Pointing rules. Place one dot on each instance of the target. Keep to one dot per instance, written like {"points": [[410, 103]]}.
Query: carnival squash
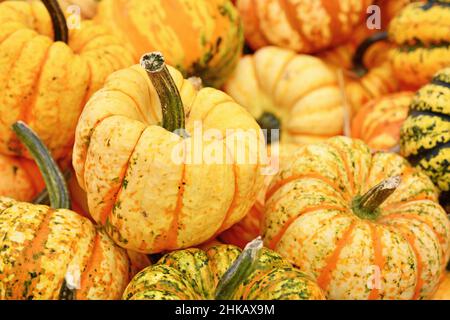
{"points": [[365, 226], [163, 188], [54, 253], [421, 32], [222, 272], [297, 92], [48, 72], [425, 135], [379, 121], [202, 38], [304, 26]]}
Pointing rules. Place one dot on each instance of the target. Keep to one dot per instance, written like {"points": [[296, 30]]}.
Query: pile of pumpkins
{"points": [[98, 98]]}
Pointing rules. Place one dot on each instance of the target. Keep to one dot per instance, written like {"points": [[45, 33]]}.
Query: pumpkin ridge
{"points": [[172, 233], [277, 238], [289, 10], [417, 111], [26, 259], [418, 218], [81, 292], [350, 177], [282, 71], [113, 194], [379, 259], [249, 286], [331, 261], [419, 281], [257, 21]]}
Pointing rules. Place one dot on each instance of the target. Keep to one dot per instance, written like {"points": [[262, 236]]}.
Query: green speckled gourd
{"points": [[425, 135], [194, 274]]}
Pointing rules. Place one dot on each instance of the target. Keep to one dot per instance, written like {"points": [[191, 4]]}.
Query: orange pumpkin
{"points": [[303, 26], [202, 38], [443, 292], [378, 123], [47, 73], [365, 226]]}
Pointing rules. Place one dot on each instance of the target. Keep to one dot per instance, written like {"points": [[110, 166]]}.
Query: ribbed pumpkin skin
{"points": [[202, 38], [46, 83], [425, 135], [305, 26], [124, 161], [309, 220], [39, 246], [250, 226], [194, 274], [379, 121], [421, 31], [19, 178], [299, 89]]}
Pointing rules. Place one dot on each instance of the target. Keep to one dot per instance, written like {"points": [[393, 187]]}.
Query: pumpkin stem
{"points": [[60, 30], [367, 206], [358, 58], [244, 265], [54, 179], [173, 118], [268, 121]]}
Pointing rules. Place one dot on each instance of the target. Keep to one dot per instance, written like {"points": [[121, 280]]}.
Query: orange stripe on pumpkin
{"points": [[379, 259]]}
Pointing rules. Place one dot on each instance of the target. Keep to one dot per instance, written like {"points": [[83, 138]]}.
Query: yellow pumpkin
{"points": [[54, 253], [378, 122], [363, 225], [202, 38], [421, 32], [299, 91], [150, 187], [47, 72], [301, 25]]}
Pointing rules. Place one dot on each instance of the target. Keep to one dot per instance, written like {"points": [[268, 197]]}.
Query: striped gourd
{"points": [[425, 135], [194, 274], [363, 225], [421, 32]]}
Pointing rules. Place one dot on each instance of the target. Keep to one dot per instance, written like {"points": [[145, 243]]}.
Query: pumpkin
{"points": [[54, 253], [88, 8], [304, 26], [425, 135], [250, 226], [389, 10], [202, 38], [222, 272], [443, 293], [379, 121], [363, 225], [421, 32], [47, 73], [20, 178], [298, 93], [150, 186]]}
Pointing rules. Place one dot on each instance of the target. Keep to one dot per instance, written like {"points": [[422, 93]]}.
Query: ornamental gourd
{"points": [[297, 93], [421, 32], [222, 272], [425, 135], [54, 253], [347, 217], [379, 121], [48, 72], [304, 26], [202, 38], [149, 185]]}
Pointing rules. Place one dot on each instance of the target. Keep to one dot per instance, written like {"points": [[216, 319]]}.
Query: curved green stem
{"points": [[54, 179], [60, 30], [358, 58], [244, 265], [173, 118], [268, 121], [367, 206]]}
